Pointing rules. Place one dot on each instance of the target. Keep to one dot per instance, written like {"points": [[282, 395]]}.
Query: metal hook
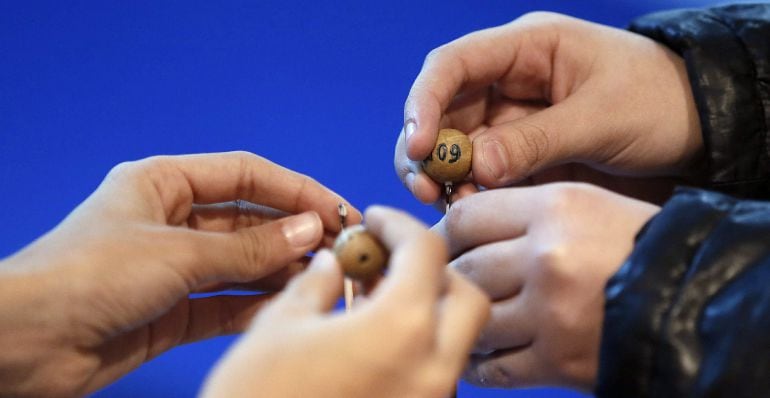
{"points": [[448, 188]]}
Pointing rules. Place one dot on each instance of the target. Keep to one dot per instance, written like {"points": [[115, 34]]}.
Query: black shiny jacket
{"points": [[688, 314]]}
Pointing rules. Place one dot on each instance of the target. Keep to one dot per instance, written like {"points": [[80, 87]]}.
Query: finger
{"points": [[473, 61], [496, 268], [222, 177], [509, 152], [189, 320], [504, 369], [249, 253], [417, 258], [464, 311], [412, 176], [316, 291], [464, 189], [490, 216], [231, 216], [221, 315], [510, 326], [274, 282]]}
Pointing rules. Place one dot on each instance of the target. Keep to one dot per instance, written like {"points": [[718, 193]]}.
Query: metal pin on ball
{"points": [[343, 212]]}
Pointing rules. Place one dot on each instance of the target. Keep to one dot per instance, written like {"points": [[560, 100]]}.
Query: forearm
{"points": [[27, 320], [688, 313], [728, 62]]}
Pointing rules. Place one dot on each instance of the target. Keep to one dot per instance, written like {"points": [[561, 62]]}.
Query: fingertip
{"points": [[375, 214], [354, 215], [420, 144], [425, 189], [420, 134], [325, 262]]}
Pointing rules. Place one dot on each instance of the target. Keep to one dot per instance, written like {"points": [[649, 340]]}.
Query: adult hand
{"points": [[543, 255], [108, 289], [410, 338], [545, 91]]}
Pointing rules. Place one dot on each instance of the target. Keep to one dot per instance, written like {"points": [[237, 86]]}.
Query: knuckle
{"points": [[553, 261], [254, 253], [564, 198], [531, 143], [243, 155], [541, 17], [245, 186], [436, 54], [153, 163], [559, 198], [122, 170]]}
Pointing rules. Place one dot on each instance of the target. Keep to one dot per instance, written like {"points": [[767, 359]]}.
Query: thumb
{"points": [[249, 253], [512, 151]]}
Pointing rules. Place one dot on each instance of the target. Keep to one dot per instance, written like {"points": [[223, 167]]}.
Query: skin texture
{"points": [[540, 107], [543, 256], [108, 288], [410, 338]]}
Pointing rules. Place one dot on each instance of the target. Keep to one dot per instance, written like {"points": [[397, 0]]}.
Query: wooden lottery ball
{"points": [[360, 253], [450, 160]]}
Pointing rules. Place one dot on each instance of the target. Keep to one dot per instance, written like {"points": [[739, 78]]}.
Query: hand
{"points": [[543, 255], [108, 288], [409, 338], [548, 91]]}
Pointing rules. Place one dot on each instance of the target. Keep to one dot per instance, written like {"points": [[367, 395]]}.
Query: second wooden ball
{"points": [[360, 253], [450, 160]]}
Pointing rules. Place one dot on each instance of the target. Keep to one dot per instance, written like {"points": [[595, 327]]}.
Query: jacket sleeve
{"points": [[688, 314], [727, 53]]}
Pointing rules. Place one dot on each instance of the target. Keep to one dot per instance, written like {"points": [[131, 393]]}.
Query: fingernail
{"points": [[409, 129], [302, 230], [494, 159]]}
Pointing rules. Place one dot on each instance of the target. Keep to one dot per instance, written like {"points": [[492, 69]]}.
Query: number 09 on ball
{"points": [[450, 160]]}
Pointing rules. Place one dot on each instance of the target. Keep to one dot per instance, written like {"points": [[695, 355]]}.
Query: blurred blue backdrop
{"points": [[315, 86]]}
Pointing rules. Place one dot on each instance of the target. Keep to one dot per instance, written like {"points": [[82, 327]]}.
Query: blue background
{"points": [[315, 86]]}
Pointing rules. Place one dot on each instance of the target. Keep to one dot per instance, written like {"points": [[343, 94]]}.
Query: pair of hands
{"points": [[548, 98], [108, 289], [545, 98]]}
